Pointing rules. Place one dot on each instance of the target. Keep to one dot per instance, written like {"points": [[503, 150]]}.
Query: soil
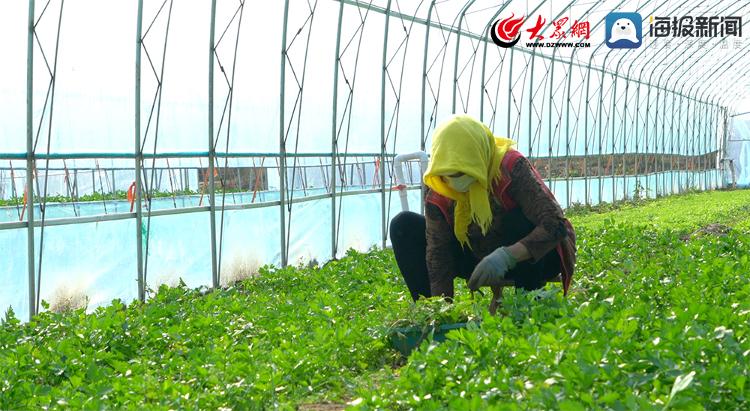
{"points": [[321, 407], [716, 229], [710, 229]]}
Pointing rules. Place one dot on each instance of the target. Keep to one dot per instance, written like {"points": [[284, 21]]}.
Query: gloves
{"points": [[492, 269]]}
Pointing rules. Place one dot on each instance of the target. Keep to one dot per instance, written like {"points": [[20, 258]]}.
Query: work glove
{"points": [[492, 269]]}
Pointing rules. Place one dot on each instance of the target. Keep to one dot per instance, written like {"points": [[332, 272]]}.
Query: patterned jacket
{"points": [[520, 186]]}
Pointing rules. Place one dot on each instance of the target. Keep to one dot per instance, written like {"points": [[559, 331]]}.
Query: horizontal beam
{"points": [[234, 207], [161, 168], [174, 211], [189, 154]]}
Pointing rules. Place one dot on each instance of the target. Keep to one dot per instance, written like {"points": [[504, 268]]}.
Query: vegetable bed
{"points": [[658, 317]]}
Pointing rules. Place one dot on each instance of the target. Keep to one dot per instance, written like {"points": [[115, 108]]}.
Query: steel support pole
{"points": [[709, 145], [677, 138], [724, 118], [722, 129], [464, 9], [531, 79], [636, 165], [623, 126], [212, 147], [656, 135], [282, 141], [690, 115], [712, 72], [710, 137], [682, 180], [646, 126], [334, 134], [614, 143], [423, 132], [671, 135], [601, 91], [586, 187], [568, 182], [707, 148], [567, 136], [549, 125], [484, 61], [549, 117], [664, 144], [615, 76], [601, 152], [690, 112], [510, 96], [721, 143], [694, 165], [531, 96], [139, 157], [704, 142], [718, 141], [383, 223], [671, 146], [701, 147], [30, 160], [679, 125], [713, 136], [601, 141]]}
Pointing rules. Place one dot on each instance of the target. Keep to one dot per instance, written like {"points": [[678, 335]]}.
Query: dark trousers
{"points": [[409, 242]]}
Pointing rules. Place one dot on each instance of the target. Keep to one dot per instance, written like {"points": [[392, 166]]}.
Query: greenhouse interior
{"points": [[224, 180]]}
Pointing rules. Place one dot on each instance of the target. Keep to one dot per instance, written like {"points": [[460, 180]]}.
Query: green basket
{"points": [[406, 339]]}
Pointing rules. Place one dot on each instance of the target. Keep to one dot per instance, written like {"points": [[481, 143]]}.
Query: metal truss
{"points": [[651, 117]]}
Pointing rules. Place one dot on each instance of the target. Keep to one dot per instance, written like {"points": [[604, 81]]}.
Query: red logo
{"points": [[506, 33]]}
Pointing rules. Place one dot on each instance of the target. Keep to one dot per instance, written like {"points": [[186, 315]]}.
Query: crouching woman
{"points": [[489, 217]]}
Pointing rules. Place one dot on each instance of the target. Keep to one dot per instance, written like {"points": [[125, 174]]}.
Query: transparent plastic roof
{"points": [[95, 64], [698, 63]]}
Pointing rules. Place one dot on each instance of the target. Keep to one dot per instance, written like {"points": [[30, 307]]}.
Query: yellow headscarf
{"points": [[463, 144]]}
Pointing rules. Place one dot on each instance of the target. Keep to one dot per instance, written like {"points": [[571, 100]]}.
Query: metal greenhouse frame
{"points": [[600, 124]]}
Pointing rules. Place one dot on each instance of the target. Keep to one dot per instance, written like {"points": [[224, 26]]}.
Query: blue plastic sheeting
{"points": [[179, 247], [13, 272], [626, 188], [99, 259], [738, 149], [252, 236]]}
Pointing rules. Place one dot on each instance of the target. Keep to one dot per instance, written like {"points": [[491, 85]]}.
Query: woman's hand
{"points": [[492, 269], [497, 299]]}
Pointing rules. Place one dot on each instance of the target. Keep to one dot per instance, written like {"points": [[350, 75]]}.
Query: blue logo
{"points": [[623, 30]]}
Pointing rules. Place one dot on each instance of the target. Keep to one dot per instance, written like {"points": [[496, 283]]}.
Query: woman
{"points": [[488, 218]]}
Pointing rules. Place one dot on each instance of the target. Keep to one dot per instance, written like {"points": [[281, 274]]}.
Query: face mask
{"points": [[460, 184]]}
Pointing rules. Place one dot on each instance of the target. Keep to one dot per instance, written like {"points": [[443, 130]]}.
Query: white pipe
{"points": [[398, 166]]}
